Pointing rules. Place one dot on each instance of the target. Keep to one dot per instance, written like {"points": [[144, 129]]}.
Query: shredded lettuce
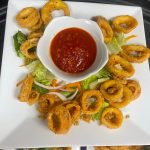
{"points": [[102, 74], [114, 46], [98, 115], [66, 94], [85, 83], [120, 39], [31, 66], [95, 84], [39, 89], [19, 38], [40, 73]]}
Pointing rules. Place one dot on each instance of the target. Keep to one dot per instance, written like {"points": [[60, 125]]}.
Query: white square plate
{"points": [[19, 123]]}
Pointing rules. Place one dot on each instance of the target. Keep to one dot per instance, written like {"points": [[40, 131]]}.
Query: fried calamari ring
{"points": [[111, 90], [67, 148], [36, 34], [135, 53], [105, 27], [135, 88], [51, 6], [125, 100], [91, 101], [59, 4], [37, 26], [61, 148], [121, 81], [26, 88], [33, 97], [74, 110], [28, 48], [86, 117], [45, 102], [46, 12], [28, 17], [112, 117], [120, 67], [124, 23], [59, 120]]}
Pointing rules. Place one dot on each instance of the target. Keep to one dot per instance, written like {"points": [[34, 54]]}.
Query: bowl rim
{"points": [[73, 77]]}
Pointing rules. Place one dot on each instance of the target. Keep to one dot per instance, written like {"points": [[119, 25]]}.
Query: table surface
{"points": [[145, 4]]}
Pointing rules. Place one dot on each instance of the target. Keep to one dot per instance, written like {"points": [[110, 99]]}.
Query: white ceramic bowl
{"points": [[60, 23]]}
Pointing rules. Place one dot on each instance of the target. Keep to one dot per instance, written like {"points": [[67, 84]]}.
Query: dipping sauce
{"points": [[73, 50]]}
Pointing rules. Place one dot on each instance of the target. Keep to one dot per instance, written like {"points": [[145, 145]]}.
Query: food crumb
{"points": [[127, 116]]}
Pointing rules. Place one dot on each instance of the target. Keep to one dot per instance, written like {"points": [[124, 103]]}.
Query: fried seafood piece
{"points": [[120, 67], [125, 100], [121, 81], [124, 23], [59, 119], [37, 26], [67, 148], [28, 48], [105, 27], [75, 111], [112, 148], [135, 88], [33, 97], [35, 34], [135, 53], [61, 148], [102, 148], [28, 17], [86, 117], [26, 87], [46, 102], [112, 117], [112, 90], [118, 147], [51, 6], [91, 101]]}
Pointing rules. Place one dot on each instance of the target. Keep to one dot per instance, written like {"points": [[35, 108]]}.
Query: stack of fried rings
{"points": [[62, 115], [29, 18], [118, 96]]}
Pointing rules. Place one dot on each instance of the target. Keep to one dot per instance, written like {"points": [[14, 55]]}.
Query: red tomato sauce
{"points": [[73, 50]]}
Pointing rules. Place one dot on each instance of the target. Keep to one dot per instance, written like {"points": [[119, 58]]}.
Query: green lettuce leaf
{"points": [[114, 46], [120, 39], [98, 115], [40, 73], [19, 38], [66, 94], [95, 84], [102, 74], [39, 89]]}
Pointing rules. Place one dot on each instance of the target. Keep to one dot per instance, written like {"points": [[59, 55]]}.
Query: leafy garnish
{"points": [[100, 75], [95, 84], [114, 46], [66, 94], [41, 90], [120, 39], [40, 73], [98, 115], [19, 38]]}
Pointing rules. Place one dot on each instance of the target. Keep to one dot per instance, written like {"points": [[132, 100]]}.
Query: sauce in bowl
{"points": [[73, 50]]}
